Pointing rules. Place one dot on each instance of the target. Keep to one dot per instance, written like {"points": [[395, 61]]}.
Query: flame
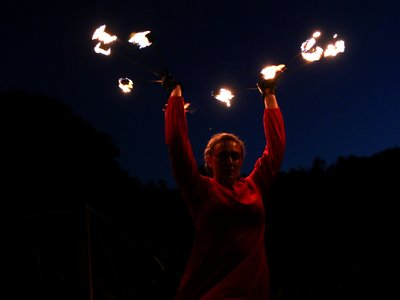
{"points": [[140, 39], [308, 44], [270, 71], [311, 52], [100, 50], [224, 96], [334, 49], [125, 84], [104, 38]]}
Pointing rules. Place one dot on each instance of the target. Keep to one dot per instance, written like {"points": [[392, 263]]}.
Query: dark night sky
{"points": [[344, 106]]}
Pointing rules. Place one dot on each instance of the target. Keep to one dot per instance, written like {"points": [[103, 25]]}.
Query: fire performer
{"points": [[228, 258]]}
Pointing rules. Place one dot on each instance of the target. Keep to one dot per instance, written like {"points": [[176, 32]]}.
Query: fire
{"points": [[270, 71], [125, 84], [334, 49], [104, 38], [224, 96], [140, 39], [311, 52], [308, 44]]}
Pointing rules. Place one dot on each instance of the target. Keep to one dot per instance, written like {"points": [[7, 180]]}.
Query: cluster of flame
{"points": [[105, 40], [225, 95], [310, 52], [103, 46]]}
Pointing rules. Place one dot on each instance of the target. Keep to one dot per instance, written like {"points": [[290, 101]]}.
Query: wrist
{"points": [[177, 91], [270, 101], [269, 91]]}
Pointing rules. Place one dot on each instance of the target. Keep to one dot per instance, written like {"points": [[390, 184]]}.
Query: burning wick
{"points": [[270, 71], [104, 38], [334, 49], [224, 96], [311, 52], [140, 39], [125, 84]]}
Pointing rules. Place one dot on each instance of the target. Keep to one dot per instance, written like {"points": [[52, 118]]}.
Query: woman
{"points": [[228, 257]]}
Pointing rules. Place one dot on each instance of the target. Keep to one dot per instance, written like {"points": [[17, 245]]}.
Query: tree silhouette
{"points": [[53, 159]]}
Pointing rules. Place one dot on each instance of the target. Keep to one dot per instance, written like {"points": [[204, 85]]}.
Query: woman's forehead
{"points": [[230, 145]]}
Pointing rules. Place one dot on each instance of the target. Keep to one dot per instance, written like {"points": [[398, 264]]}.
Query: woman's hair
{"points": [[215, 139]]}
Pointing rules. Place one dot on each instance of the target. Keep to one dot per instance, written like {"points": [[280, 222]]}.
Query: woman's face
{"points": [[226, 161]]}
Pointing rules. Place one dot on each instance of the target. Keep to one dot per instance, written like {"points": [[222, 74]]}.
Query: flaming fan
{"points": [[105, 43], [311, 51], [139, 39], [225, 95]]}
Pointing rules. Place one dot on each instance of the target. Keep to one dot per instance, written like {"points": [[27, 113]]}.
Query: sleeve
{"points": [[267, 166], [184, 166]]}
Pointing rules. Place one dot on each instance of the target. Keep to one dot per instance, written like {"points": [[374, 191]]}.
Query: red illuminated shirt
{"points": [[228, 258]]}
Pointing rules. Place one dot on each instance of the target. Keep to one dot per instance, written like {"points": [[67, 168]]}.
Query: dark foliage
{"points": [[57, 170], [331, 229]]}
